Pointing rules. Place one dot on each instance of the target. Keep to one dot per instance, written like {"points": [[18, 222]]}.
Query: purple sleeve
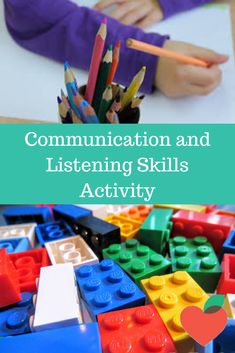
{"points": [[171, 7], [63, 31]]}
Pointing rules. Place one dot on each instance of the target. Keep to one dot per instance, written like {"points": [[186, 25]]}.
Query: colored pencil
{"points": [[64, 113], [65, 99], [133, 88], [71, 87], [157, 51], [136, 102], [67, 67], [105, 104], [102, 78], [95, 61], [115, 62], [116, 106], [90, 114], [112, 117], [116, 89]]}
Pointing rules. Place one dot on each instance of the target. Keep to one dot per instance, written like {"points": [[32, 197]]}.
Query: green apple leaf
{"points": [[217, 301]]}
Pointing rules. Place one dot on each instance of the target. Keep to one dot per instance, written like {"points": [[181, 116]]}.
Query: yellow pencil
{"points": [[133, 88]]}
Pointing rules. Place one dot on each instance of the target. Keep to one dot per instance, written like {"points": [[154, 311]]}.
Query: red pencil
{"points": [[115, 62], [95, 61]]}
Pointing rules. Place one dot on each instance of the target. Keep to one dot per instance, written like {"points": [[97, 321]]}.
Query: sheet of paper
{"points": [[37, 80]]}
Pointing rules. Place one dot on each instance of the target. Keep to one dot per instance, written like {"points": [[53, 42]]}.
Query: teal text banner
{"points": [[117, 164]]}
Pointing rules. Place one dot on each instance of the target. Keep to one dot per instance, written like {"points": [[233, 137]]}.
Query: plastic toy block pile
{"points": [[113, 279]]}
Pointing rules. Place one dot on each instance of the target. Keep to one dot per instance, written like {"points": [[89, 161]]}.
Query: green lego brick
{"points": [[155, 231], [139, 261], [197, 257]]}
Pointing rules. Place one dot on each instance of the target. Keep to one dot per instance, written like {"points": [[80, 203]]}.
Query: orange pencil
{"points": [[154, 50], [95, 61], [115, 62]]}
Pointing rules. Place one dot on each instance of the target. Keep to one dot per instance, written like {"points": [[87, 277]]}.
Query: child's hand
{"points": [[141, 13], [175, 79]]}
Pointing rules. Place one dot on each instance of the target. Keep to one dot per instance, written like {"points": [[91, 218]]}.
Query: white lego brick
{"points": [[19, 231], [99, 211], [73, 249], [57, 302], [230, 305]]}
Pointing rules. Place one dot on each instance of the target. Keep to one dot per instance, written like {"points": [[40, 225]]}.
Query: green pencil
{"points": [[105, 104], [102, 78]]}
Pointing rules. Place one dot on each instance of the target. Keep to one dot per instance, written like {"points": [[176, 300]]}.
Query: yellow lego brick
{"points": [[170, 294], [194, 208], [229, 305], [128, 227]]}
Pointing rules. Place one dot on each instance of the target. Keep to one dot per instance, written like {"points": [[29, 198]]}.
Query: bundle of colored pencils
{"points": [[100, 101]]}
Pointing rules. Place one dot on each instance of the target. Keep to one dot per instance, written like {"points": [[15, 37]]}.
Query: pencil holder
{"points": [[126, 116]]}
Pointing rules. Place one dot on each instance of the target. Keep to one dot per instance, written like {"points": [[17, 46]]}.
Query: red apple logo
{"points": [[204, 326]]}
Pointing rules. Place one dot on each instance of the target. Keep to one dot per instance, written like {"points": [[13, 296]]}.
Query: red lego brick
{"points": [[27, 265], [214, 227], [10, 291], [135, 330], [227, 280]]}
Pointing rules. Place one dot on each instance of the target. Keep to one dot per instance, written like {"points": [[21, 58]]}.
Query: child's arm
{"points": [[63, 31], [144, 13]]}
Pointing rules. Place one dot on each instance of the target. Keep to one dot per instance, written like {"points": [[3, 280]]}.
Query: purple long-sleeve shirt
{"points": [[63, 31]]}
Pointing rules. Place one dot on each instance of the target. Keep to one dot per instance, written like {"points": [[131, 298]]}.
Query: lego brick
{"points": [[19, 231], [28, 214], [57, 303], [229, 245], [15, 245], [97, 233], [197, 257], [105, 287], [214, 227], [226, 209], [73, 339], [138, 260], [128, 227], [210, 207], [99, 211], [74, 250], [138, 213], [224, 343], [28, 265], [9, 283], [229, 305], [207, 349], [15, 320], [170, 294], [53, 231], [227, 279], [136, 330], [175, 208], [70, 212], [155, 231]]}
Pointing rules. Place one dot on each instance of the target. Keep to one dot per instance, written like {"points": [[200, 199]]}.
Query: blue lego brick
{"points": [[15, 245], [226, 208], [225, 342], [207, 349], [229, 245], [70, 213], [29, 214], [73, 339], [53, 231], [14, 319], [106, 287]]}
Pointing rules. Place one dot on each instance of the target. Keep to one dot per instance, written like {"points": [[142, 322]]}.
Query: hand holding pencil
{"points": [[184, 69]]}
